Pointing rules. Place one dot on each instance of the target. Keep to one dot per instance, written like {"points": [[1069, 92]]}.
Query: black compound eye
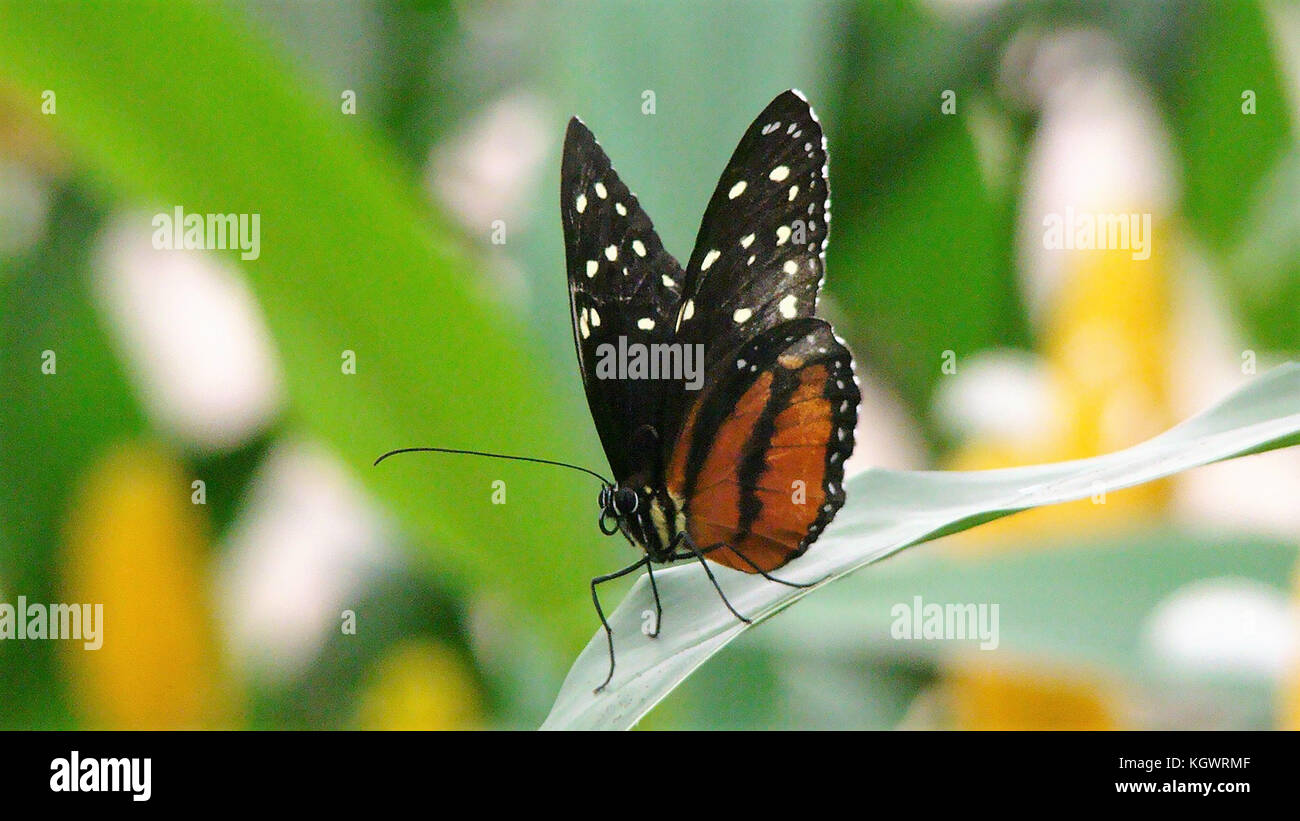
{"points": [[625, 501]]}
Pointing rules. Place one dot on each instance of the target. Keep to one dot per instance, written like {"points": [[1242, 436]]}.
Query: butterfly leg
{"points": [[750, 562], [685, 538], [609, 633], [674, 557], [765, 575], [654, 588]]}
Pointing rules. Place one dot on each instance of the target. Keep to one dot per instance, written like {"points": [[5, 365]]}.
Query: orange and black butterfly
{"points": [[744, 468]]}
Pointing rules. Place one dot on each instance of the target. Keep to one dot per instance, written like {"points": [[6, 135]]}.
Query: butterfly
{"points": [[746, 468]]}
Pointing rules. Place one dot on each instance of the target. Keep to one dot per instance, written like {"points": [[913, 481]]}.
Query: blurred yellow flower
{"points": [[135, 543], [982, 696], [1107, 338], [1289, 693], [419, 685], [1105, 350]]}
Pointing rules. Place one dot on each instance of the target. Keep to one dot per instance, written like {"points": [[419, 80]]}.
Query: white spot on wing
{"points": [[622, 212], [669, 282], [709, 258], [580, 203], [592, 267], [736, 190], [779, 173], [790, 267], [611, 253], [746, 240], [646, 323], [595, 318], [782, 234], [741, 315], [788, 306], [638, 247], [687, 311], [600, 190], [794, 192]]}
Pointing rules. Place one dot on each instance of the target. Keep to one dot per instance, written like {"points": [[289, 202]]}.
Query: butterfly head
{"points": [[617, 504], [649, 517]]}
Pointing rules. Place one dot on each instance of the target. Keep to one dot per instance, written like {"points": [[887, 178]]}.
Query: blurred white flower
{"points": [[1224, 626], [490, 168], [999, 395], [295, 559], [193, 338], [1100, 147]]}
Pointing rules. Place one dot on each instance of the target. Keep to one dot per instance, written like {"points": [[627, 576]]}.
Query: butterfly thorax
{"points": [[648, 515]]}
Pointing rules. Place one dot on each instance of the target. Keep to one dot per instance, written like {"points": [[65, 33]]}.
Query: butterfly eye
{"points": [[604, 497], [625, 501]]}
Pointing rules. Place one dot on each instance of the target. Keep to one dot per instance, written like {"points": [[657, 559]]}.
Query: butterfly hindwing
{"points": [[759, 465], [758, 257], [622, 283]]}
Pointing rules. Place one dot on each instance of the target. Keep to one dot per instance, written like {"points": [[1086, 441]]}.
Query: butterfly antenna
{"points": [[494, 456]]}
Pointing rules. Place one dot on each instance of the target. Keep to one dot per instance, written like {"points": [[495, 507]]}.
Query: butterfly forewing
{"points": [[758, 256], [622, 283]]}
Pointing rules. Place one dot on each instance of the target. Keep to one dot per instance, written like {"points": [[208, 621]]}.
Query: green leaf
{"points": [[1102, 626], [1227, 153], [888, 511]]}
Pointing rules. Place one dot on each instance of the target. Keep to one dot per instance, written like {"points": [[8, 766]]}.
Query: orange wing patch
{"points": [[788, 489], [765, 479], [714, 506]]}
